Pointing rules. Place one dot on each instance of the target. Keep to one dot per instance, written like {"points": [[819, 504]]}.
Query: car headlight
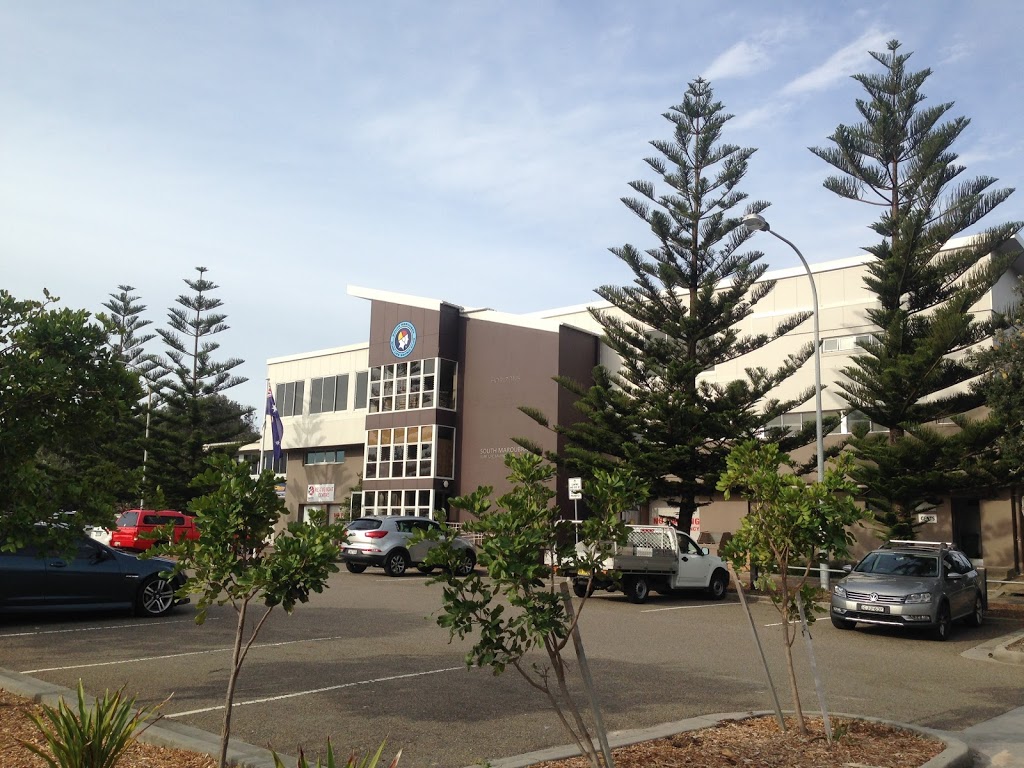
{"points": [[838, 591], [918, 597]]}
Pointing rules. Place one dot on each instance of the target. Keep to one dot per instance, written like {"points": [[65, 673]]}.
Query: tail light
{"points": [[376, 534]]}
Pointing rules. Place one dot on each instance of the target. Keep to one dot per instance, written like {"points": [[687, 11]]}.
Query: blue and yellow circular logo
{"points": [[403, 339]]}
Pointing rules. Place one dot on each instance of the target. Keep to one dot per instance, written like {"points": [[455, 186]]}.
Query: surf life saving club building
{"points": [[426, 409]]}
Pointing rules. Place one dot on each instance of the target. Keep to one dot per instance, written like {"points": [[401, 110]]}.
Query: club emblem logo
{"points": [[403, 339]]}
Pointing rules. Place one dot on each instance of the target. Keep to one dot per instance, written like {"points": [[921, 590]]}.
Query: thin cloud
{"points": [[957, 51], [741, 59], [750, 56], [840, 65], [755, 118]]}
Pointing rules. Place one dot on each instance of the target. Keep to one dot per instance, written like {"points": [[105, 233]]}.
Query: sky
{"points": [[475, 152]]}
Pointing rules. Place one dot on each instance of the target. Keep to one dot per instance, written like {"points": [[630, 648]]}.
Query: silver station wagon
{"points": [[912, 584], [385, 541]]}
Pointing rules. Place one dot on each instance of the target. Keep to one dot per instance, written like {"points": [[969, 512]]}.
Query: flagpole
{"points": [[263, 437]]}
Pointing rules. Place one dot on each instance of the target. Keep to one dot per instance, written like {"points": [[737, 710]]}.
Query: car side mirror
{"points": [[705, 551], [848, 568], [954, 576]]}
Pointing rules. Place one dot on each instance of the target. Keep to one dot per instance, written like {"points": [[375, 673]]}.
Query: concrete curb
{"points": [[163, 733], [1001, 652], [955, 755]]}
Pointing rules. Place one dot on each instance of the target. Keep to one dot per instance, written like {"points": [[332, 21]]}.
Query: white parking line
{"points": [[315, 690], [178, 655], [684, 607], [98, 629]]}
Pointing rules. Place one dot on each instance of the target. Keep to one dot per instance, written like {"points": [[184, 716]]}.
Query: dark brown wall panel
{"points": [[503, 367]]}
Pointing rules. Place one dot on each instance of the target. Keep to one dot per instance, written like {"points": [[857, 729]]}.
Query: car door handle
{"points": [[58, 564]]}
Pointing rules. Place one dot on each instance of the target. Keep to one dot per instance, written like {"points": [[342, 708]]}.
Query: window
{"points": [[445, 451], [328, 394], [446, 385], [362, 379], [410, 501], [325, 457], [855, 418], [253, 461], [289, 398], [412, 385], [846, 343], [280, 466], [401, 452], [794, 422]]}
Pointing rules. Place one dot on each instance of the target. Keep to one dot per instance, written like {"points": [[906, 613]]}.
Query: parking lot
{"points": [[365, 661]]}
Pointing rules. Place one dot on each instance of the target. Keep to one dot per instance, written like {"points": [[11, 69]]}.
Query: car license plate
{"points": [[873, 608], [351, 551]]}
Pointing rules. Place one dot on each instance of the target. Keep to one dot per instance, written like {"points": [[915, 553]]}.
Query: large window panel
{"points": [[446, 385], [412, 385], [417, 502], [362, 380], [445, 452], [288, 398]]}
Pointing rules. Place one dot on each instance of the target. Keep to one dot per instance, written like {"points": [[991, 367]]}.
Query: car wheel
{"points": [[839, 623], [977, 617], [466, 565], [943, 624], [718, 585], [156, 597], [425, 568], [583, 588], [636, 589], [396, 563], [354, 567]]}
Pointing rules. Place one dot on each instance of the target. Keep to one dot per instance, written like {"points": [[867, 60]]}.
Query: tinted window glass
{"points": [[364, 524], [128, 519], [899, 564], [963, 561]]}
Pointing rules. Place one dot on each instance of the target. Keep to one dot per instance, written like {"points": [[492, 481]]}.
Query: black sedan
{"points": [[96, 577]]}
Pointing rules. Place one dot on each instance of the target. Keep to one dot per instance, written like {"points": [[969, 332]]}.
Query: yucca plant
{"points": [[354, 761], [92, 737]]}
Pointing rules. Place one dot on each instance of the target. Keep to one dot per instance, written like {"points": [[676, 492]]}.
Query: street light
{"points": [[757, 223]]}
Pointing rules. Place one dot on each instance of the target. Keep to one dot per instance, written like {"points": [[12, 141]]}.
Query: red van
{"points": [[135, 524]]}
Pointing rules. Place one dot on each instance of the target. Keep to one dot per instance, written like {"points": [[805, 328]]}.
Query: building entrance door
{"points": [[966, 515]]}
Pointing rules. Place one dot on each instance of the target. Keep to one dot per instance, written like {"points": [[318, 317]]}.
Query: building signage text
{"points": [[499, 453], [320, 493]]}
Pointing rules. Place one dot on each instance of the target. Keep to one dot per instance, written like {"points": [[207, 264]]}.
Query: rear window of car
{"points": [[364, 524], [128, 519], [899, 564]]}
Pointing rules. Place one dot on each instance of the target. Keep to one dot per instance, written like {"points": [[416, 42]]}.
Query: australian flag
{"points": [[276, 427]]}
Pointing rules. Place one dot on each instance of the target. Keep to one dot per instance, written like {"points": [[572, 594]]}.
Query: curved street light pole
{"points": [[757, 223]]}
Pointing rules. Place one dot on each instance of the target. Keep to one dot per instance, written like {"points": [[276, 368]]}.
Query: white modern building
{"points": [[428, 406]]}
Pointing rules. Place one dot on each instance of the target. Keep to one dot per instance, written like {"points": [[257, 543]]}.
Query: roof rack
{"points": [[908, 544]]}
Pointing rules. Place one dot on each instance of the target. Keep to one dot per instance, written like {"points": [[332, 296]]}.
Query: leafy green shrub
{"points": [[354, 761], [94, 737]]}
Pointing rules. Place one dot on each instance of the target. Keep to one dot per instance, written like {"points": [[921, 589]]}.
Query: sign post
{"points": [[575, 494]]}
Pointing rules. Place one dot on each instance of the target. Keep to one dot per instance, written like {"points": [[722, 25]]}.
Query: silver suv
{"points": [[910, 584], [384, 541]]}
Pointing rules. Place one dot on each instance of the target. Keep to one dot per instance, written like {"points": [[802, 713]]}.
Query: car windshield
{"points": [[899, 564], [128, 519], [364, 524]]}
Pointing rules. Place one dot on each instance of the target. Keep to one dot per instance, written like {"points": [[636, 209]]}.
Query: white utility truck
{"points": [[659, 558]]}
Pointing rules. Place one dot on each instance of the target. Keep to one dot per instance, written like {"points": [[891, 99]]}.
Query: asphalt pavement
{"points": [[997, 741]]}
